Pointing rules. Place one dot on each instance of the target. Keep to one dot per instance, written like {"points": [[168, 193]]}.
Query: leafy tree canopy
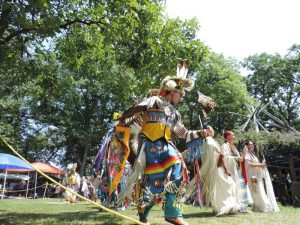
{"points": [[275, 79], [66, 66]]}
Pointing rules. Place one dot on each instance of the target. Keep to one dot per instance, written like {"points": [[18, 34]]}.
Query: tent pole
{"points": [[35, 185], [45, 189], [27, 185], [4, 183]]}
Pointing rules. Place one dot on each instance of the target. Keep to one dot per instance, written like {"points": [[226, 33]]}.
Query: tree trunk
{"points": [[5, 16], [83, 159]]}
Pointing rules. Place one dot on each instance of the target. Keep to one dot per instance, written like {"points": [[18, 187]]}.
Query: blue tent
{"points": [[11, 162]]}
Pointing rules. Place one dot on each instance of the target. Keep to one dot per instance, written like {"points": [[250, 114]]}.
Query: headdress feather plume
{"points": [[182, 68], [180, 82]]}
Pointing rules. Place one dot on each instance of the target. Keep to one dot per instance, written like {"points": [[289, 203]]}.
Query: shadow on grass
{"points": [[199, 214], [83, 217]]}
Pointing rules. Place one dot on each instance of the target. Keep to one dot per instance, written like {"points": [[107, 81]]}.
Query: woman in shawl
{"points": [[257, 173], [218, 186]]}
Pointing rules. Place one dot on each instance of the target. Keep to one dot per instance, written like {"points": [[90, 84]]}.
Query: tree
{"points": [[31, 73], [79, 106], [71, 64], [86, 73], [275, 80]]}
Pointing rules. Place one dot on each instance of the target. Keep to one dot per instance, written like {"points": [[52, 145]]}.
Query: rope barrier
{"points": [[67, 189], [7, 191]]}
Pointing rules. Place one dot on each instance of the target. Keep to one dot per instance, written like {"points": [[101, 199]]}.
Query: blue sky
{"points": [[239, 28]]}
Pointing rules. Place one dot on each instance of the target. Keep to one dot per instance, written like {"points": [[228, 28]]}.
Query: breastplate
{"points": [[157, 124]]}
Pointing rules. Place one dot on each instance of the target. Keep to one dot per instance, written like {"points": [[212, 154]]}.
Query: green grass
{"points": [[53, 211]]}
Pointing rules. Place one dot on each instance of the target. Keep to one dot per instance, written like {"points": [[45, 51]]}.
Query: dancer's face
{"points": [[176, 97], [230, 137], [250, 146]]}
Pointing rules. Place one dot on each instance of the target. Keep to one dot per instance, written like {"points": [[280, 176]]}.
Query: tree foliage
{"points": [[270, 143], [276, 79], [67, 66]]}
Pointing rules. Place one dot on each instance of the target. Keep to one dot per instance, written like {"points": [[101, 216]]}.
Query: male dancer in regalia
{"points": [[72, 180], [159, 167]]}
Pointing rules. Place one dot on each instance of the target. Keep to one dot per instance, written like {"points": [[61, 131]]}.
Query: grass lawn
{"points": [[54, 211]]}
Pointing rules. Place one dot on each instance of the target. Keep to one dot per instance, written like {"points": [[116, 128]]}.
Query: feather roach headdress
{"points": [[72, 166], [180, 82]]}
